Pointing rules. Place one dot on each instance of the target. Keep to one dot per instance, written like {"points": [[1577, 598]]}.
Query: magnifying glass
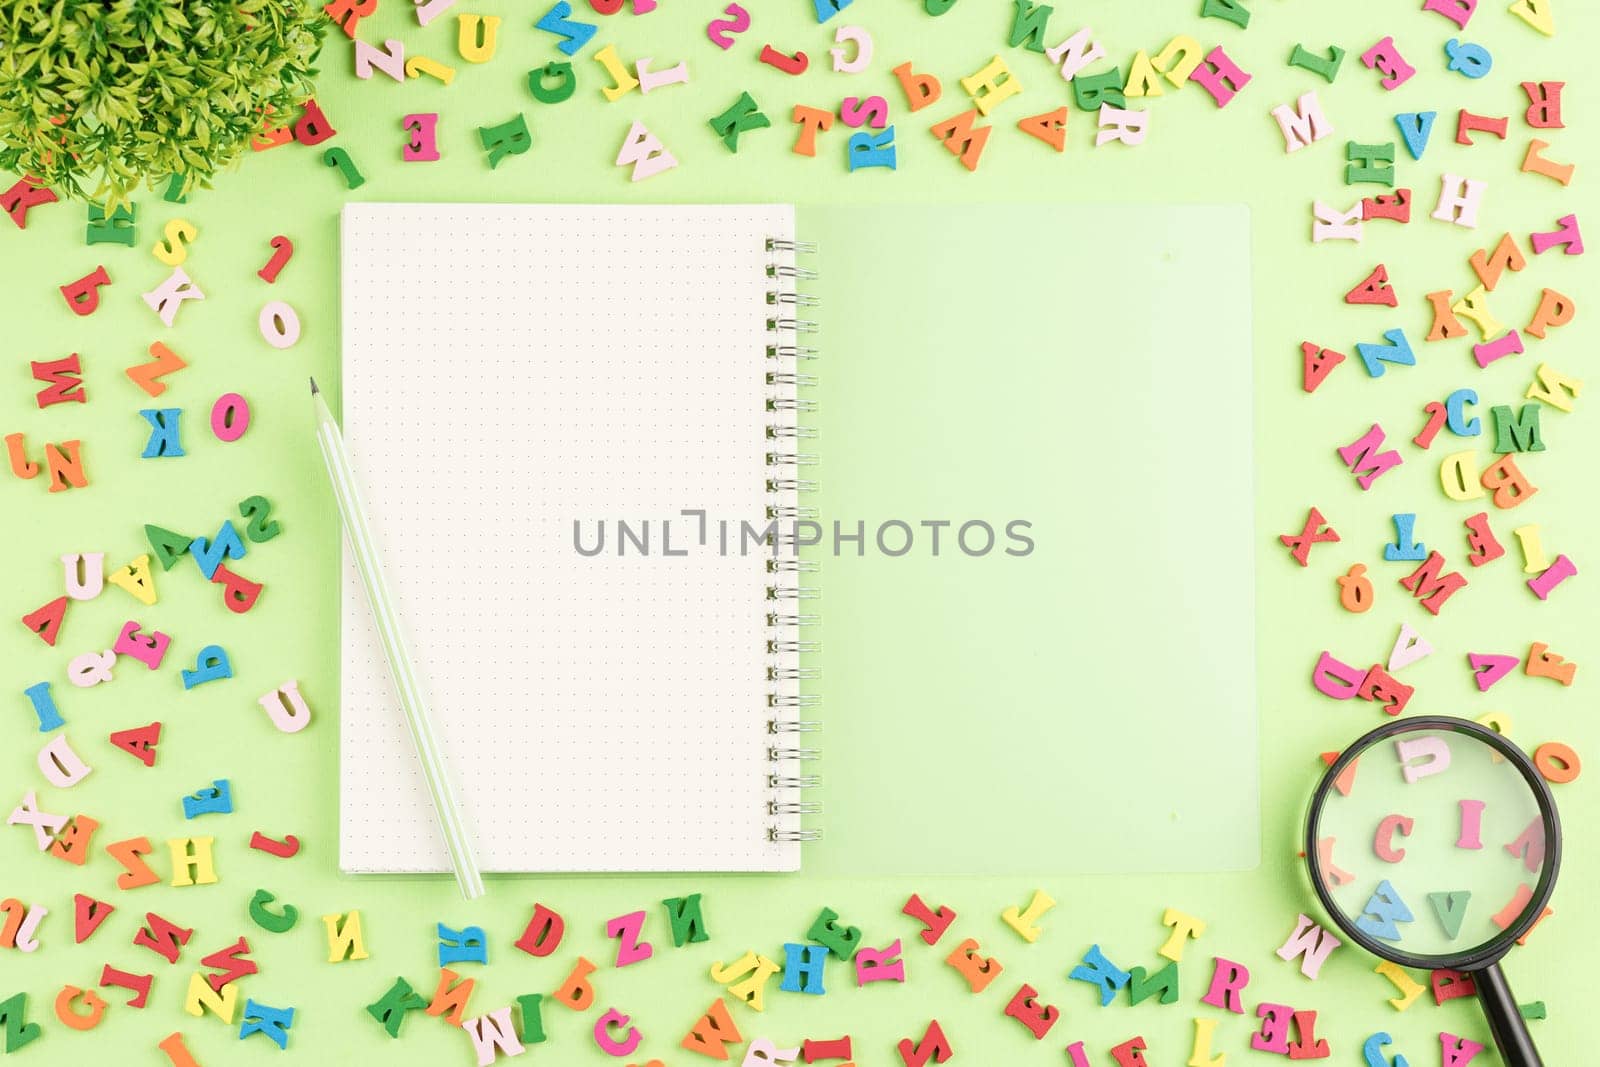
{"points": [[1433, 842]]}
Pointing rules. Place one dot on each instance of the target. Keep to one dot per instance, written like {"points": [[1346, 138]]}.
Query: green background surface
{"points": [[1194, 154]]}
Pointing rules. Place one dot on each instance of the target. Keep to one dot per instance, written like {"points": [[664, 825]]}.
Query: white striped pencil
{"points": [[419, 719]]}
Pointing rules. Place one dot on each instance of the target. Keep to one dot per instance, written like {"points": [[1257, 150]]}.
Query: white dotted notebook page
{"points": [[510, 370]]}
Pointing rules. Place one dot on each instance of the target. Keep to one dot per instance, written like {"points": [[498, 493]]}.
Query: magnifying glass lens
{"points": [[1432, 844]]}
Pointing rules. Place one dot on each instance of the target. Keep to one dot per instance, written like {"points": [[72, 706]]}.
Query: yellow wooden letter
{"points": [[344, 938], [191, 861]]}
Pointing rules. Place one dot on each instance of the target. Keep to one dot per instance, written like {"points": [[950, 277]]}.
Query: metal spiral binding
{"points": [[778, 618], [793, 674], [806, 808], [793, 300], [789, 540], [791, 378], [788, 325], [789, 592], [791, 781], [793, 648], [786, 511], [793, 726], [785, 703], [798, 836], [791, 485]]}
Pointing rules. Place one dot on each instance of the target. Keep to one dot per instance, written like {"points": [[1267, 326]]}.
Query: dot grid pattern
{"points": [[507, 371]]}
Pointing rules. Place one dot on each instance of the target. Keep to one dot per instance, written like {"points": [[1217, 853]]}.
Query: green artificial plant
{"points": [[97, 97]]}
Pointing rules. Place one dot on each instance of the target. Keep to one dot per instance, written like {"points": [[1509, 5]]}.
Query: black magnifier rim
{"points": [[1496, 947]]}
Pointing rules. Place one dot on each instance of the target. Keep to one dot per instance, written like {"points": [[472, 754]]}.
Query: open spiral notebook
{"points": [[574, 425]]}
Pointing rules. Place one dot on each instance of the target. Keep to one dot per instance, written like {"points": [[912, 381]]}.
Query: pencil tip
{"points": [[314, 389]]}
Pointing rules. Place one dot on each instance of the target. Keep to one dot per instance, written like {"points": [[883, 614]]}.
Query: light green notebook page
{"points": [[1088, 707]]}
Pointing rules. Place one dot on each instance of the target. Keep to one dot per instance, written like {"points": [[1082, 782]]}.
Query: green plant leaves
{"points": [[97, 97]]}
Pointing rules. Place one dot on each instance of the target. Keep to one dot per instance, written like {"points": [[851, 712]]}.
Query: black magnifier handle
{"points": [[1505, 1019]]}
